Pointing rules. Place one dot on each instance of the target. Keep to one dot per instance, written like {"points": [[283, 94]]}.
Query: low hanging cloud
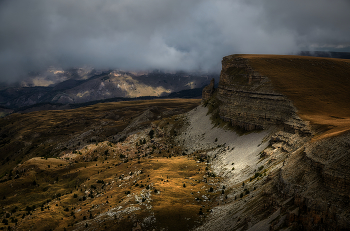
{"points": [[161, 34]]}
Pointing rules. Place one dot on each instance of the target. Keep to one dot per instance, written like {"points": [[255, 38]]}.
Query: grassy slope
{"points": [[167, 175], [50, 184], [318, 87], [47, 133]]}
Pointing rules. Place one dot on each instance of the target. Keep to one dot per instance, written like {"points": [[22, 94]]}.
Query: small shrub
{"points": [[151, 134]]}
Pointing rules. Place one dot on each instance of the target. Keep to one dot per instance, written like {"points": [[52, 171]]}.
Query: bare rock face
{"points": [[208, 91], [248, 99], [311, 187], [317, 180]]}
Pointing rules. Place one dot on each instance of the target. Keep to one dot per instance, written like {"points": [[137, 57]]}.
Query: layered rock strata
{"points": [[248, 99], [308, 186], [317, 178]]}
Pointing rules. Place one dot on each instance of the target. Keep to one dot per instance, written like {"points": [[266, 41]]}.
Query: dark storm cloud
{"points": [[165, 34]]}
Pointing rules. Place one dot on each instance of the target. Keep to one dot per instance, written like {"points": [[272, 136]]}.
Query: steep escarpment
{"points": [[303, 105], [249, 100], [257, 91]]}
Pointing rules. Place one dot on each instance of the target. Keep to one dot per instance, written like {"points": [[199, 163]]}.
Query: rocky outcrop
{"points": [[331, 157], [311, 188], [208, 91], [249, 100], [317, 178]]}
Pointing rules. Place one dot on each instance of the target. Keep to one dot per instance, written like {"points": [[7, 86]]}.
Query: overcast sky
{"points": [[162, 34]]}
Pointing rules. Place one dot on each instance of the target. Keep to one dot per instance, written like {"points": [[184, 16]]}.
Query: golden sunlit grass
{"points": [[179, 181], [96, 185], [173, 204], [318, 87]]}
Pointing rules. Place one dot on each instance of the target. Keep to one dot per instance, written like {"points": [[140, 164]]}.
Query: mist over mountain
{"points": [[326, 54], [167, 35], [174, 115], [82, 85]]}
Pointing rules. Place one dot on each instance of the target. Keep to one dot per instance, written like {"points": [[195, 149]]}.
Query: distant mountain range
{"points": [[78, 87], [326, 54]]}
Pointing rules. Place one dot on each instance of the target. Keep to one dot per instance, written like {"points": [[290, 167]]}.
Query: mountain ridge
{"points": [[307, 150], [76, 88]]}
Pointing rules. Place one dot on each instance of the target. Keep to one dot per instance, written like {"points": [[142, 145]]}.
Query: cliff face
{"points": [[310, 181], [317, 180], [250, 101]]}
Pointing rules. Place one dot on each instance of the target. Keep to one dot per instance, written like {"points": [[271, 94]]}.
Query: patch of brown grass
{"points": [[174, 206], [79, 173], [48, 133]]}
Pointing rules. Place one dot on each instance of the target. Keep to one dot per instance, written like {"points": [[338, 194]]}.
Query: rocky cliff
{"points": [[301, 102], [249, 100], [208, 90]]}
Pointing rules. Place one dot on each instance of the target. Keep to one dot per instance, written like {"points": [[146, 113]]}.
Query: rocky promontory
{"points": [[304, 104]]}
